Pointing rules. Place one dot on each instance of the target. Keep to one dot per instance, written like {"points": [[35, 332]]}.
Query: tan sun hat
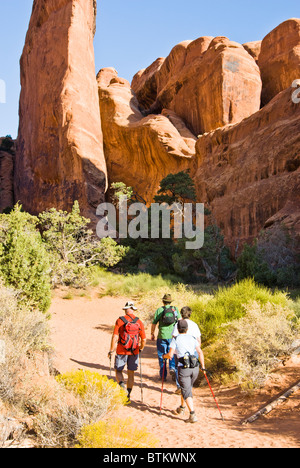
{"points": [[167, 298]]}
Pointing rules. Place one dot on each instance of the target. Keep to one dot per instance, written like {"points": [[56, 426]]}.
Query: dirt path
{"points": [[81, 334]]}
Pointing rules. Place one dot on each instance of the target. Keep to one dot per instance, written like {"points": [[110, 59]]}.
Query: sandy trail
{"points": [[81, 334]]}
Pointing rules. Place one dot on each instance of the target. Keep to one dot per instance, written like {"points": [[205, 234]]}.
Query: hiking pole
{"points": [[110, 365], [203, 370], [141, 376], [162, 385]]}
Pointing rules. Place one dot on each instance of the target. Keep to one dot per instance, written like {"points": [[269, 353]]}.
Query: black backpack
{"points": [[169, 316]]}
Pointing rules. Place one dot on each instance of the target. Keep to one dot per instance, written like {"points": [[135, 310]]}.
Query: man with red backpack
{"points": [[128, 340]]}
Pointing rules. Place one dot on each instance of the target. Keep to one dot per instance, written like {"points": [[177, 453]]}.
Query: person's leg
{"points": [[119, 377], [181, 408], [186, 377], [190, 404], [173, 365], [162, 348], [120, 362], [132, 366], [189, 401], [130, 383]]}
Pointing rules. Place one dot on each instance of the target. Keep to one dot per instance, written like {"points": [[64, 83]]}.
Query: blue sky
{"points": [[131, 34]]}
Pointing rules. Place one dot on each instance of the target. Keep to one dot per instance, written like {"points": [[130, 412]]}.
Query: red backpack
{"points": [[130, 336]]}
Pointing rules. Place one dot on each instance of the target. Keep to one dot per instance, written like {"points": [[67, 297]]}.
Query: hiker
{"points": [[188, 367], [128, 340], [166, 317], [193, 328]]}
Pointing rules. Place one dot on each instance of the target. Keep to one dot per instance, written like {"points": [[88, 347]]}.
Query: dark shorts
{"points": [[187, 378], [132, 362]]}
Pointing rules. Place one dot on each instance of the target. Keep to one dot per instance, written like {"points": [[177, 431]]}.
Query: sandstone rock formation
{"points": [[253, 48], [198, 109], [279, 59], [249, 173], [208, 82], [140, 150], [60, 146]]}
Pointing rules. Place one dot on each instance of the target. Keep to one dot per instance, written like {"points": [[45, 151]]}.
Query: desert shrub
{"points": [[133, 285], [58, 430], [74, 248], [296, 307], [120, 433], [81, 399], [58, 417], [229, 303], [24, 262], [24, 331], [99, 395], [257, 341], [182, 296]]}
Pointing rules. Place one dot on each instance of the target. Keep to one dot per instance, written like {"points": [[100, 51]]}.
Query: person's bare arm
{"points": [[201, 356], [142, 345], [170, 354], [153, 327], [113, 345]]}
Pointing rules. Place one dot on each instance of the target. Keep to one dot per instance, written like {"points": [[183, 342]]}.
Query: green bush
{"points": [[182, 295], [73, 247], [295, 305], [24, 261], [252, 346], [131, 285], [229, 303]]}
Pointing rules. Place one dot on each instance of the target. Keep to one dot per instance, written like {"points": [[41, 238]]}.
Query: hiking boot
{"points": [[192, 419], [123, 386], [179, 410]]}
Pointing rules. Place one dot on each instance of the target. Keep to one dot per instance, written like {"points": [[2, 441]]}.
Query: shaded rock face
{"points": [[279, 59], [140, 150], [249, 173], [208, 82], [7, 154], [60, 154]]}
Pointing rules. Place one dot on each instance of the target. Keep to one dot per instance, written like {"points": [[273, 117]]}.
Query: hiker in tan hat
{"points": [[166, 317]]}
